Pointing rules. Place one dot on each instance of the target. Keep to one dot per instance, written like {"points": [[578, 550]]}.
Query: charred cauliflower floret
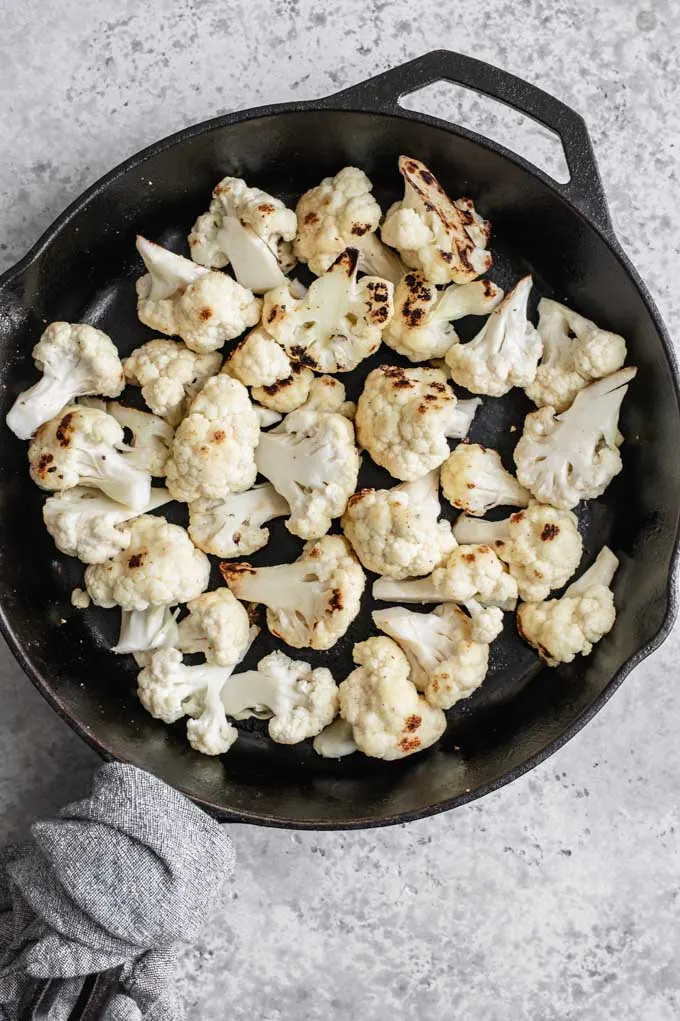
{"points": [[445, 239], [340, 213], [203, 307], [405, 417], [213, 453], [389, 719], [397, 532], [310, 603]]}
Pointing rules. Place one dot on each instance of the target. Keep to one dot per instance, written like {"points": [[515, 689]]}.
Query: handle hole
{"points": [[494, 120]]}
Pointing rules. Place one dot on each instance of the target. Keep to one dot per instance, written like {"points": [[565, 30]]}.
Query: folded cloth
{"points": [[121, 878]]}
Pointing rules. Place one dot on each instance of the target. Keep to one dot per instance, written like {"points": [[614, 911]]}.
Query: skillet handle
{"points": [[382, 94]]}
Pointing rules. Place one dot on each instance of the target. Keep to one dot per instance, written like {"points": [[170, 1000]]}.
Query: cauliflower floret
{"points": [[143, 631], [217, 626], [258, 360], [335, 741], [422, 325], [169, 690], [160, 567], [562, 459], [541, 546], [444, 239], [312, 461], [397, 532], [249, 229], [404, 417], [170, 375], [213, 453], [75, 360], [561, 629], [78, 447], [310, 603], [203, 307], [338, 213], [472, 573], [328, 394], [504, 353], [150, 436], [389, 719], [338, 322], [286, 395], [447, 663], [166, 684], [575, 352], [232, 526], [299, 701], [474, 480], [487, 621], [80, 599], [86, 524]]}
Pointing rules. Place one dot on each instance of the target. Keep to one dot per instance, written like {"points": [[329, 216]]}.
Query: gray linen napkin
{"points": [[121, 878]]}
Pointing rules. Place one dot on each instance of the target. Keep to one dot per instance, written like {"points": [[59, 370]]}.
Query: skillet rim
{"points": [[350, 101]]}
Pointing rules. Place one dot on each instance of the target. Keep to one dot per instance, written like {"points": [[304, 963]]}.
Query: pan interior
{"points": [[87, 273]]}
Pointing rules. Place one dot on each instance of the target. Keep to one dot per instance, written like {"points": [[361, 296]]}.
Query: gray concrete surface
{"points": [[556, 899]]}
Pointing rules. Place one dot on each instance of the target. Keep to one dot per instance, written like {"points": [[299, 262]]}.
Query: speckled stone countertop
{"points": [[557, 898]]}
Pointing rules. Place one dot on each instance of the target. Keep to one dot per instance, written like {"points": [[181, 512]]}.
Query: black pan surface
{"points": [[84, 270]]}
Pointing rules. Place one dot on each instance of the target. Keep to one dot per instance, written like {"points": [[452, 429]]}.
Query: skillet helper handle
{"points": [[92, 1002], [382, 94]]}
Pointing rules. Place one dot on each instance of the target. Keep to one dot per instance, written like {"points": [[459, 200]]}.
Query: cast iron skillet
{"points": [[84, 268]]}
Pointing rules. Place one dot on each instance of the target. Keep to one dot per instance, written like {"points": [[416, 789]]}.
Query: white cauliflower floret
{"points": [[258, 360], [143, 631], [504, 353], [329, 394], [447, 663], [389, 719], [310, 603], [299, 701], [80, 599], [397, 532], [203, 307], [335, 741], [79, 447], [159, 568], [286, 395], [86, 524], [150, 436], [471, 573], [561, 629], [169, 690], [340, 213], [444, 239], [312, 461], [562, 459], [404, 417], [249, 229], [217, 626], [487, 621], [337, 323], [170, 375], [232, 525], [422, 324], [575, 352], [541, 546], [474, 480], [213, 453], [75, 360]]}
